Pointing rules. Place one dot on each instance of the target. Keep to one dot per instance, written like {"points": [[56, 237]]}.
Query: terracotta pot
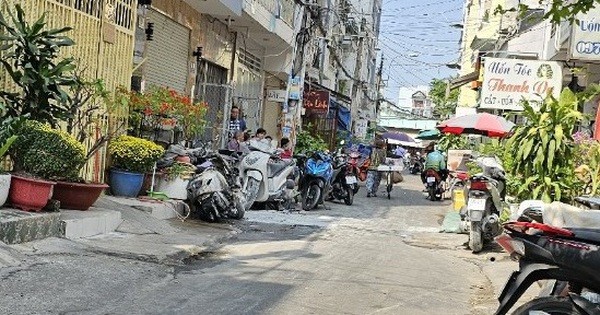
{"points": [[30, 194], [183, 159], [77, 196]]}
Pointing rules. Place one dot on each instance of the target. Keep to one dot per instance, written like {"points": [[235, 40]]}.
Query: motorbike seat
{"points": [[591, 202], [586, 234], [564, 215], [277, 167]]}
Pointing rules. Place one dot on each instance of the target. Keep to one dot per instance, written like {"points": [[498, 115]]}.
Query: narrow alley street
{"points": [[378, 256]]}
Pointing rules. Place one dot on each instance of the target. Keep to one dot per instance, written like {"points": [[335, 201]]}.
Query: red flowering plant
{"points": [[162, 108]]}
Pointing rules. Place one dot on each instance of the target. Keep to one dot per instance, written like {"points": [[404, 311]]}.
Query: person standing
{"points": [[235, 122], [373, 176]]}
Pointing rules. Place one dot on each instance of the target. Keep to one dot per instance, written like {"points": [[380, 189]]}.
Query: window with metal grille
{"points": [[249, 60]]}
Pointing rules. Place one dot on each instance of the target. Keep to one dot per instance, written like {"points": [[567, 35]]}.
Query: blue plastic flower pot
{"points": [[125, 184]]}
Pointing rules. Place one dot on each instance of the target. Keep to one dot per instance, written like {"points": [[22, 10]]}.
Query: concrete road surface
{"points": [[377, 256]]}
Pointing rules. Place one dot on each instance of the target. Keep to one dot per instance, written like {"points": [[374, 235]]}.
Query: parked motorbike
{"points": [[571, 256], [214, 193], [485, 200], [417, 166], [360, 166], [344, 181], [265, 176], [316, 180], [435, 187]]}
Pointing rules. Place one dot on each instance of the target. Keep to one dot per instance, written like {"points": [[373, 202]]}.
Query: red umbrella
{"points": [[479, 124]]}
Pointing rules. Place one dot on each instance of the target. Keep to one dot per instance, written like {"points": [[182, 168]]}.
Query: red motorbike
{"points": [[358, 166]]}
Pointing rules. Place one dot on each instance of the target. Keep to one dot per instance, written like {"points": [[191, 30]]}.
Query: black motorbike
{"points": [[417, 166], [569, 256], [344, 181]]}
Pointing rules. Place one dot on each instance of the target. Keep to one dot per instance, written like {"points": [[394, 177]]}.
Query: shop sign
{"points": [[361, 128], [276, 96], [506, 82], [585, 42], [295, 84], [316, 101]]}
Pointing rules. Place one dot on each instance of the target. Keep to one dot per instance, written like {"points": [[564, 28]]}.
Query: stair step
{"points": [[95, 221], [18, 226]]}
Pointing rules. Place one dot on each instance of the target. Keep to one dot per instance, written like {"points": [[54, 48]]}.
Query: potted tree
{"points": [[173, 180], [89, 100], [42, 154], [131, 157]]}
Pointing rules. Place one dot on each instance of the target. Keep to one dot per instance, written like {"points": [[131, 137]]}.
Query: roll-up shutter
{"points": [[168, 53]]}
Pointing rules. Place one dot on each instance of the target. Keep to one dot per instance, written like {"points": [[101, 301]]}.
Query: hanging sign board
{"points": [[276, 96], [506, 82], [585, 40], [316, 101]]}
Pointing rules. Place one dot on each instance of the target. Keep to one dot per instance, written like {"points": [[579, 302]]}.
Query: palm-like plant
{"points": [[30, 57], [543, 148]]}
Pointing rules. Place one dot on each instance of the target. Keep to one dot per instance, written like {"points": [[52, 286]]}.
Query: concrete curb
{"points": [[149, 251]]}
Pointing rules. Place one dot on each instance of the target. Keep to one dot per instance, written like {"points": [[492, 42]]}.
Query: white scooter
{"points": [[265, 176], [486, 192]]}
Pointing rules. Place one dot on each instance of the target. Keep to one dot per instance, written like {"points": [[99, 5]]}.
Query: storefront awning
{"points": [[462, 80]]}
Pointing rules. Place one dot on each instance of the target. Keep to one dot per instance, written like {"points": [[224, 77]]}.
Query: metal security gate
{"points": [[167, 54], [249, 89], [323, 125], [212, 88]]}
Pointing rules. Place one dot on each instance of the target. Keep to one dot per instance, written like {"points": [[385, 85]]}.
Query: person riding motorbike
{"points": [[435, 161]]}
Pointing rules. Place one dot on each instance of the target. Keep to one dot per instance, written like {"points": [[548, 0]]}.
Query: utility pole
{"points": [[378, 86], [357, 79]]}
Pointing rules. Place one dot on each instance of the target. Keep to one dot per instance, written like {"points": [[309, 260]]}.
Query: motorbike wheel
{"points": [[355, 188], [431, 191], [240, 209], [475, 241], [311, 197], [204, 212], [349, 196], [251, 192], [548, 305]]}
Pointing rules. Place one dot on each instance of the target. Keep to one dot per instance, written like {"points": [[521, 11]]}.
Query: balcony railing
{"points": [[284, 9]]}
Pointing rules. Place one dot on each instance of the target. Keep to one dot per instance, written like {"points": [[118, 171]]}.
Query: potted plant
{"points": [[42, 154], [89, 99], [163, 109], [131, 158], [173, 180]]}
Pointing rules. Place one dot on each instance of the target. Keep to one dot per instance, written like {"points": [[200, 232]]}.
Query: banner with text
{"points": [[316, 101], [506, 82], [585, 42]]}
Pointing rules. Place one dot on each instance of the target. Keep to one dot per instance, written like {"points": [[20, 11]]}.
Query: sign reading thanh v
{"points": [[506, 82]]}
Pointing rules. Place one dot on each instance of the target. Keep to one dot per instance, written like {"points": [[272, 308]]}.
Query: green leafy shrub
{"points": [[178, 170], [48, 153], [544, 151], [307, 143], [453, 142], [134, 154]]}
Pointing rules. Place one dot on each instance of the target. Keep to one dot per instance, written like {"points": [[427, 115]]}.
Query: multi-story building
{"points": [[482, 31], [225, 52], [561, 55]]}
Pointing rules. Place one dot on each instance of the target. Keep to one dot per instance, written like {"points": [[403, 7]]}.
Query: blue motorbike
{"points": [[315, 181]]}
